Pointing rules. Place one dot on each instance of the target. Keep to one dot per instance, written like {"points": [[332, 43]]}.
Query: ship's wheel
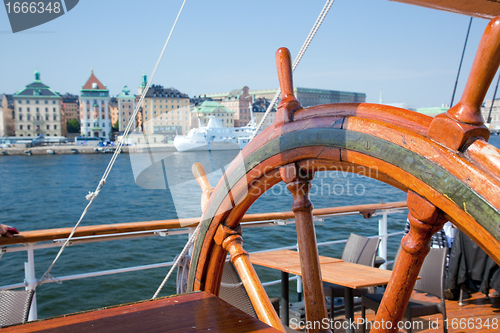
{"points": [[445, 165]]}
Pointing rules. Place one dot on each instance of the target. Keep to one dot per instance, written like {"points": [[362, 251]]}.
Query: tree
{"points": [[116, 126], [73, 126]]}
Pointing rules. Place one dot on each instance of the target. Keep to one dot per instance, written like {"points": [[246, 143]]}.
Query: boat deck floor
{"points": [[475, 315]]}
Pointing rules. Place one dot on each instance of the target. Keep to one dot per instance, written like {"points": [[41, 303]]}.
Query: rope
{"points": [[92, 195], [303, 49], [178, 259], [461, 60], [309, 38]]}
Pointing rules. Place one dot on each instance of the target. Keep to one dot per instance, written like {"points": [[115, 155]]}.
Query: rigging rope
{"points": [[303, 49], [178, 259], [460, 66], [92, 195], [308, 40]]}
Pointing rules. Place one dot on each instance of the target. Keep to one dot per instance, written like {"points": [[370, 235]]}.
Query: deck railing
{"points": [[30, 241]]}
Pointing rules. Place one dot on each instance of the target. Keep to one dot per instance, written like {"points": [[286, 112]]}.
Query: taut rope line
{"points": [[303, 49], [92, 195], [308, 40]]}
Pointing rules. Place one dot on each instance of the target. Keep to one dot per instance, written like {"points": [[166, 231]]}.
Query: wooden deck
{"points": [[475, 311]]}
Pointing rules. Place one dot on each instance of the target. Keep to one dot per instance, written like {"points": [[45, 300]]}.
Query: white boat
{"points": [[215, 137]]}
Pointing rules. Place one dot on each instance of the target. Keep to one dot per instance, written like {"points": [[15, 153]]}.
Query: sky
{"points": [[410, 54]]}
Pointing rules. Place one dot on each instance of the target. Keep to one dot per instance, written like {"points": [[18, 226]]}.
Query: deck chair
{"points": [[358, 250], [431, 282], [233, 292], [15, 306]]}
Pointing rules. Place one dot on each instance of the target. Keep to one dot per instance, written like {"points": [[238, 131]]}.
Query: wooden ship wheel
{"points": [[445, 165]]}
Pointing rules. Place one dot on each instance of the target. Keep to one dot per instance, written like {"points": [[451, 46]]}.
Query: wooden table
{"points": [[352, 276], [287, 261], [200, 311]]}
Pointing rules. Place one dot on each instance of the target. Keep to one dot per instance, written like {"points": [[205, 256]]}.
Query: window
{"points": [[37, 117], [123, 119], [36, 102], [20, 110], [88, 124], [29, 117], [29, 126], [46, 117], [53, 102], [46, 102], [54, 109], [46, 109], [55, 126], [20, 117], [103, 125], [27, 109], [21, 135], [129, 107], [29, 134], [20, 127], [48, 127], [123, 113], [103, 133], [55, 117], [27, 101]]}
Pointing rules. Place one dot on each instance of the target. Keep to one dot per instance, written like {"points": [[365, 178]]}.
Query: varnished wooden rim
{"points": [[443, 187]]}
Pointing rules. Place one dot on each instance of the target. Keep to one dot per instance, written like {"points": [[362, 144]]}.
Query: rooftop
{"points": [[210, 107], [159, 91], [93, 83], [37, 89]]}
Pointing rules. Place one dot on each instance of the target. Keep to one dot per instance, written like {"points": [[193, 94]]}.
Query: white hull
{"points": [[183, 143], [214, 137]]}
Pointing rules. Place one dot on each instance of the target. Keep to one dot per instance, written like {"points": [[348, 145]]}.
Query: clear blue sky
{"points": [[411, 53]]}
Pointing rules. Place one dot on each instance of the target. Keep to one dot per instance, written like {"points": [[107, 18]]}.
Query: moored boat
{"points": [[215, 136]]}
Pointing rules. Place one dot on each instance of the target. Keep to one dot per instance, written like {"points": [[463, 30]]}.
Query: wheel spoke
{"points": [[299, 184]]}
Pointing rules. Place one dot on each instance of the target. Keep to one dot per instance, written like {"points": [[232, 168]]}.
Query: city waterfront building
{"points": [[94, 109], [200, 115], [238, 100], [37, 110], [165, 110], [126, 107], [259, 108], [113, 111], [311, 97], [7, 115], [70, 106]]}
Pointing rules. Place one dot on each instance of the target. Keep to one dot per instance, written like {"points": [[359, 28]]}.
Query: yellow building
{"points": [[165, 110]]}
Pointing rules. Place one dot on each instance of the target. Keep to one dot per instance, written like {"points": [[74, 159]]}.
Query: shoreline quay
{"points": [[72, 149]]}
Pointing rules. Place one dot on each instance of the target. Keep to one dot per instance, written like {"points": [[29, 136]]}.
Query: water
{"points": [[43, 192]]}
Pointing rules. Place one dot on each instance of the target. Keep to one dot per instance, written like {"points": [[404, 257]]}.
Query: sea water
{"points": [[45, 192]]}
